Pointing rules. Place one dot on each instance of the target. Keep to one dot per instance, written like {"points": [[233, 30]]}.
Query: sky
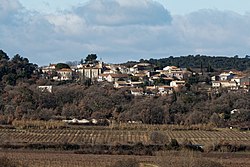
{"points": [[174, 6], [56, 31]]}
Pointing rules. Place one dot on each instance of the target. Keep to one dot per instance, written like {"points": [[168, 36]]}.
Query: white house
{"points": [[165, 90], [137, 91], [169, 68], [45, 88], [225, 84], [76, 121], [226, 76], [177, 83], [215, 78], [216, 84]]}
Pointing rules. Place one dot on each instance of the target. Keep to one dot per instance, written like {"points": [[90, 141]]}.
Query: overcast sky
{"points": [[52, 31]]}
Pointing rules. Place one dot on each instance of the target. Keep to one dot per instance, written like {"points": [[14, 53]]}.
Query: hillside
{"points": [[207, 63]]}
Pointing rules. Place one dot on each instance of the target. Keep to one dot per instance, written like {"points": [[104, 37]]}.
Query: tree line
{"points": [[73, 100], [16, 69], [207, 63]]}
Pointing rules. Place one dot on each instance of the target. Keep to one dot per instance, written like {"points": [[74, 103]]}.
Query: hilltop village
{"points": [[190, 90], [145, 79]]}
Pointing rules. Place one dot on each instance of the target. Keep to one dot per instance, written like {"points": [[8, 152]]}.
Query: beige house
{"points": [[141, 75], [225, 84], [177, 85], [136, 83], [137, 91], [116, 77], [102, 77], [64, 74], [174, 72], [228, 84], [121, 84], [49, 69], [141, 67], [161, 90], [89, 72]]}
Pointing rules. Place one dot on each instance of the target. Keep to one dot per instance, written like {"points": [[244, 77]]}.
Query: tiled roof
{"points": [[64, 69]]}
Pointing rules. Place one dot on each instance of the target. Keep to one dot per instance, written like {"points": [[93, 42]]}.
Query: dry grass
{"points": [[27, 124]]}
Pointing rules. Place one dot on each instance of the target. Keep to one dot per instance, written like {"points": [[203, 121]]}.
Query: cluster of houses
{"points": [[232, 80], [141, 79], [75, 121]]}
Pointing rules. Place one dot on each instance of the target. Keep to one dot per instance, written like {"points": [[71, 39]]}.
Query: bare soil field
{"points": [[172, 159]]}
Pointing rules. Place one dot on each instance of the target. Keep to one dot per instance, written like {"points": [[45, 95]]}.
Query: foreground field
{"points": [[109, 136], [170, 159], [101, 136]]}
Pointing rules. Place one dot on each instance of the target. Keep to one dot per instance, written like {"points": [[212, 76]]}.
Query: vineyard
{"points": [[109, 136], [106, 136]]}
